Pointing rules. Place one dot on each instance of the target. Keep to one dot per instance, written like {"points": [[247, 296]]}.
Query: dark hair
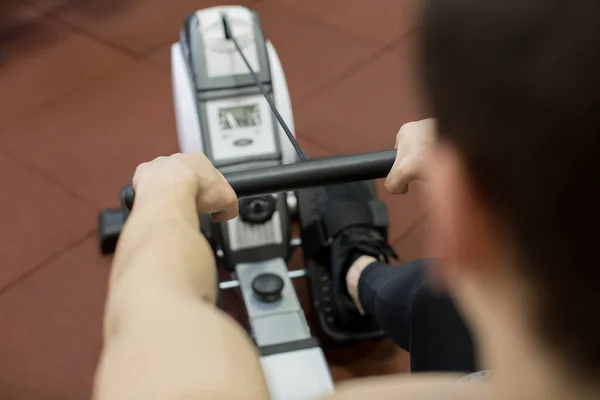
{"points": [[515, 86]]}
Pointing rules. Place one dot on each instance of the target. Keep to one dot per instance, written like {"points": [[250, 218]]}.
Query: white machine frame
{"points": [[294, 365]]}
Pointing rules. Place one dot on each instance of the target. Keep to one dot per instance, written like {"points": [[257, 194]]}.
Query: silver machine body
{"points": [[220, 112]]}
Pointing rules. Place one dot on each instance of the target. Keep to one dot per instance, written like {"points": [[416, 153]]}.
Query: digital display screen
{"points": [[239, 117]]}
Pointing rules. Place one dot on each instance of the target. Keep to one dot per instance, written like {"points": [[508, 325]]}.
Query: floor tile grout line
{"points": [[43, 264], [150, 51], [320, 22], [351, 71], [114, 46], [355, 69], [124, 51], [64, 6], [314, 20], [54, 15], [48, 177], [76, 89], [381, 50], [323, 146]]}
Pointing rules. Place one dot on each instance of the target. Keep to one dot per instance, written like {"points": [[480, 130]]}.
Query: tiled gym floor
{"points": [[85, 96]]}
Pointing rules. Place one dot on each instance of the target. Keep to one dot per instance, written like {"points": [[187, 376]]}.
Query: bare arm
{"points": [[164, 337], [411, 387]]}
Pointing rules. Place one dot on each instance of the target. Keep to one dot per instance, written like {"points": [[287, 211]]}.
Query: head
{"points": [[515, 87]]}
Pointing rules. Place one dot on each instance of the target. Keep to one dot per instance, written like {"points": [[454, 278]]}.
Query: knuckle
{"points": [[231, 198], [218, 198], [212, 181], [140, 168], [201, 156], [390, 184], [226, 195]]}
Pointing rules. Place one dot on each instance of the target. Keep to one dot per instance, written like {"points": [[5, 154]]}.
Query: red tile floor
{"points": [[85, 96]]}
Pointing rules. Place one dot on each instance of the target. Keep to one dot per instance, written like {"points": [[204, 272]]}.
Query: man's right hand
{"points": [[413, 144]]}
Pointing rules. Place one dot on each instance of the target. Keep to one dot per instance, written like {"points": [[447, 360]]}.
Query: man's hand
{"points": [[189, 174], [413, 145]]}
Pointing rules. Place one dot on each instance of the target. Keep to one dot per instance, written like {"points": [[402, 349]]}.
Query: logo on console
{"points": [[243, 142]]}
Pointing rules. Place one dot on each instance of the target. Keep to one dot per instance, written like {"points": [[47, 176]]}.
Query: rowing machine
{"points": [[232, 103]]}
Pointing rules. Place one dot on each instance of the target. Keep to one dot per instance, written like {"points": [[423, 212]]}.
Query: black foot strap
{"points": [[344, 215]]}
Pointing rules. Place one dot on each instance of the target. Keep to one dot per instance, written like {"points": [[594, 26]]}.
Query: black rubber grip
{"points": [[302, 175]]}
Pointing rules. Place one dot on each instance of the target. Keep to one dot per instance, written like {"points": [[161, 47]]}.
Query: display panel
{"points": [[239, 117], [240, 129]]}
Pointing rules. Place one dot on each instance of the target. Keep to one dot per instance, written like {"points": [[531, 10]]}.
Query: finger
{"points": [[198, 163], [394, 178], [398, 179], [219, 200], [138, 174], [228, 209], [141, 174], [395, 188], [224, 216], [215, 195]]}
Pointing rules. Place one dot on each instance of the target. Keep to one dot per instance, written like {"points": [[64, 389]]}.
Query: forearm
{"points": [[164, 338], [416, 386], [161, 246]]}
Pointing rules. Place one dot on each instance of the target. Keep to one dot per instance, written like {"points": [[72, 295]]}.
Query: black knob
{"points": [[268, 287], [257, 210], [127, 198]]}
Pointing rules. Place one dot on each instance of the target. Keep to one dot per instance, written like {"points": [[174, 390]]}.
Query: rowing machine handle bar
{"points": [[302, 175]]}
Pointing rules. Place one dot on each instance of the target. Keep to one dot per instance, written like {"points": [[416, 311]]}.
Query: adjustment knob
{"points": [[257, 210], [267, 287]]}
